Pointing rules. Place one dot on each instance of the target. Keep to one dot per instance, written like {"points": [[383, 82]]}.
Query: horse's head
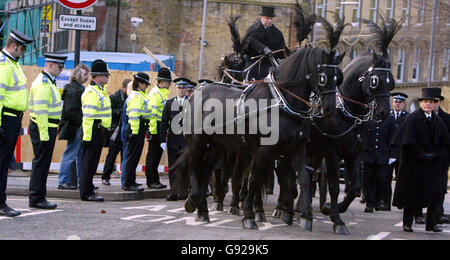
{"points": [[234, 64]]}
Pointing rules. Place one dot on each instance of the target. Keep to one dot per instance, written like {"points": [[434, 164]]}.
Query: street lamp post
{"points": [[202, 42]]}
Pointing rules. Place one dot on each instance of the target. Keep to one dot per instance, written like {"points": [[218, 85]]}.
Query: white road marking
{"points": [[34, 213], [137, 218], [154, 208], [190, 221], [179, 210], [222, 222], [380, 236]]}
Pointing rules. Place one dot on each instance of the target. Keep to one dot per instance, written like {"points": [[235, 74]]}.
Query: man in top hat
{"points": [[158, 96], [265, 39], [173, 139], [446, 119], [13, 102], [423, 140], [97, 117], [45, 112]]}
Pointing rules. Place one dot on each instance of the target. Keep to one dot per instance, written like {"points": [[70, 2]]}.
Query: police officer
{"points": [[45, 112], [265, 38], [97, 117], [138, 112], [375, 157], [13, 102], [158, 96], [172, 140]]}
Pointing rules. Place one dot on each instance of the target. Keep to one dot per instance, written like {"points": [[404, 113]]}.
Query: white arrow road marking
{"points": [[222, 222], [34, 213], [380, 236], [154, 208], [179, 210], [138, 218], [268, 226], [189, 221]]}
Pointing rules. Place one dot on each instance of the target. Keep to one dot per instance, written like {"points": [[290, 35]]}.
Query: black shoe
{"points": [[9, 212], [172, 197], [368, 210], [157, 186], [106, 182], [94, 198], [66, 186], [363, 199], [138, 184], [443, 220], [133, 188], [434, 229], [43, 205], [407, 228], [420, 220], [182, 197], [95, 188]]}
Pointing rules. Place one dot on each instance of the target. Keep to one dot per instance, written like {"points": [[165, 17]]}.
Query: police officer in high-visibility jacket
{"points": [[97, 117], [158, 96], [13, 102], [138, 112], [45, 113]]}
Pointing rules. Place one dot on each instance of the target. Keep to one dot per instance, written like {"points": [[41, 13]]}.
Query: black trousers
{"points": [[152, 161], [375, 179], [110, 162], [174, 178], [11, 126], [43, 152], [134, 152], [91, 157], [444, 189], [410, 213]]}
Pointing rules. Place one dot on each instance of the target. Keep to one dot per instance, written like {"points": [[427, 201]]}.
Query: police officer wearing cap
{"points": [[13, 102], [265, 38], [97, 117], [158, 96], [138, 112], [171, 135], [45, 112]]}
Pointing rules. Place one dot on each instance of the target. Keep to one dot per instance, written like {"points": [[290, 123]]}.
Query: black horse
{"points": [[364, 95]]}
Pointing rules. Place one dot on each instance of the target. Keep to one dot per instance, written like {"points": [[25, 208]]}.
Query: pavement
{"points": [[18, 185]]}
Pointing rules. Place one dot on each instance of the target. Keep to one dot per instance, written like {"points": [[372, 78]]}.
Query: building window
{"points": [[373, 10], [405, 11], [446, 64], [354, 53], [390, 9], [416, 65], [421, 14], [321, 8], [357, 12], [61, 42], [340, 8], [401, 65]]}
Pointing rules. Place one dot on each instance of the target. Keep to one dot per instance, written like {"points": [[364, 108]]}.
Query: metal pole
{"points": [[202, 42], [77, 43], [116, 49], [433, 25]]}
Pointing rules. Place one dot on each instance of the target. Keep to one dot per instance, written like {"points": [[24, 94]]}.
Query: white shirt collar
{"points": [[428, 115], [50, 75]]}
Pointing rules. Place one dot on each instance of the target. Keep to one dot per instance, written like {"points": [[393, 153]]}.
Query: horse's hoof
{"points": [[217, 206], [203, 217], [340, 230], [260, 217], [287, 217], [326, 210], [304, 223], [189, 207], [249, 224], [233, 211], [276, 213]]}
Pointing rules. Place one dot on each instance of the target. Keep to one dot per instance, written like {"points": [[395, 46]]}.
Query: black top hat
{"points": [[399, 96], [99, 68], [182, 81], [428, 94], [164, 74], [439, 93], [268, 11], [205, 81], [20, 37], [55, 58], [142, 77]]}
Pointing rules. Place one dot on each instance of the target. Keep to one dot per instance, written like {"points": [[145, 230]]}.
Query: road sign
{"points": [[75, 22], [77, 4]]}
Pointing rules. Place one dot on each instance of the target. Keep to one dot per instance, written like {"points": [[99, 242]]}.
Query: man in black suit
{"points": [[171, 137], [442, 219]]}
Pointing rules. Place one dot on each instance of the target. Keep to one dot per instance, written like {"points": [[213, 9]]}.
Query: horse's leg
{"points": [[286, 179], [196, 153], [219, 190], [333, 180], [354, 171], [260, 215], [278, 170], [323, 184], [236, 183], [211, 160], [305, 216]]}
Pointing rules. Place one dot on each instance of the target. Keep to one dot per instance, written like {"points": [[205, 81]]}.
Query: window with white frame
{"points": [[340, 8], [373, 10], [401, 65], [405, 11], [354, 53], [445, 66], [421, 14], [390, 11], [321, 8], [357, 12], [416, 65]]}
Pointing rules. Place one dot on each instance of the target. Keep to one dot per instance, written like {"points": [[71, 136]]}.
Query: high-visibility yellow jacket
{"points": [[158, 97], [138, 105], [96, 105], [45, 104], [13, 86]]}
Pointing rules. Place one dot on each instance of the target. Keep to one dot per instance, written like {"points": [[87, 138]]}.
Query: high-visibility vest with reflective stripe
{"points": [[138, 105], [96, 105], [158, 97], [45, 103], [13, 86]]}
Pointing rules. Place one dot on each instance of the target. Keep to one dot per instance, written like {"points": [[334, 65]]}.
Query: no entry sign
{"points": [[77, 4]]}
